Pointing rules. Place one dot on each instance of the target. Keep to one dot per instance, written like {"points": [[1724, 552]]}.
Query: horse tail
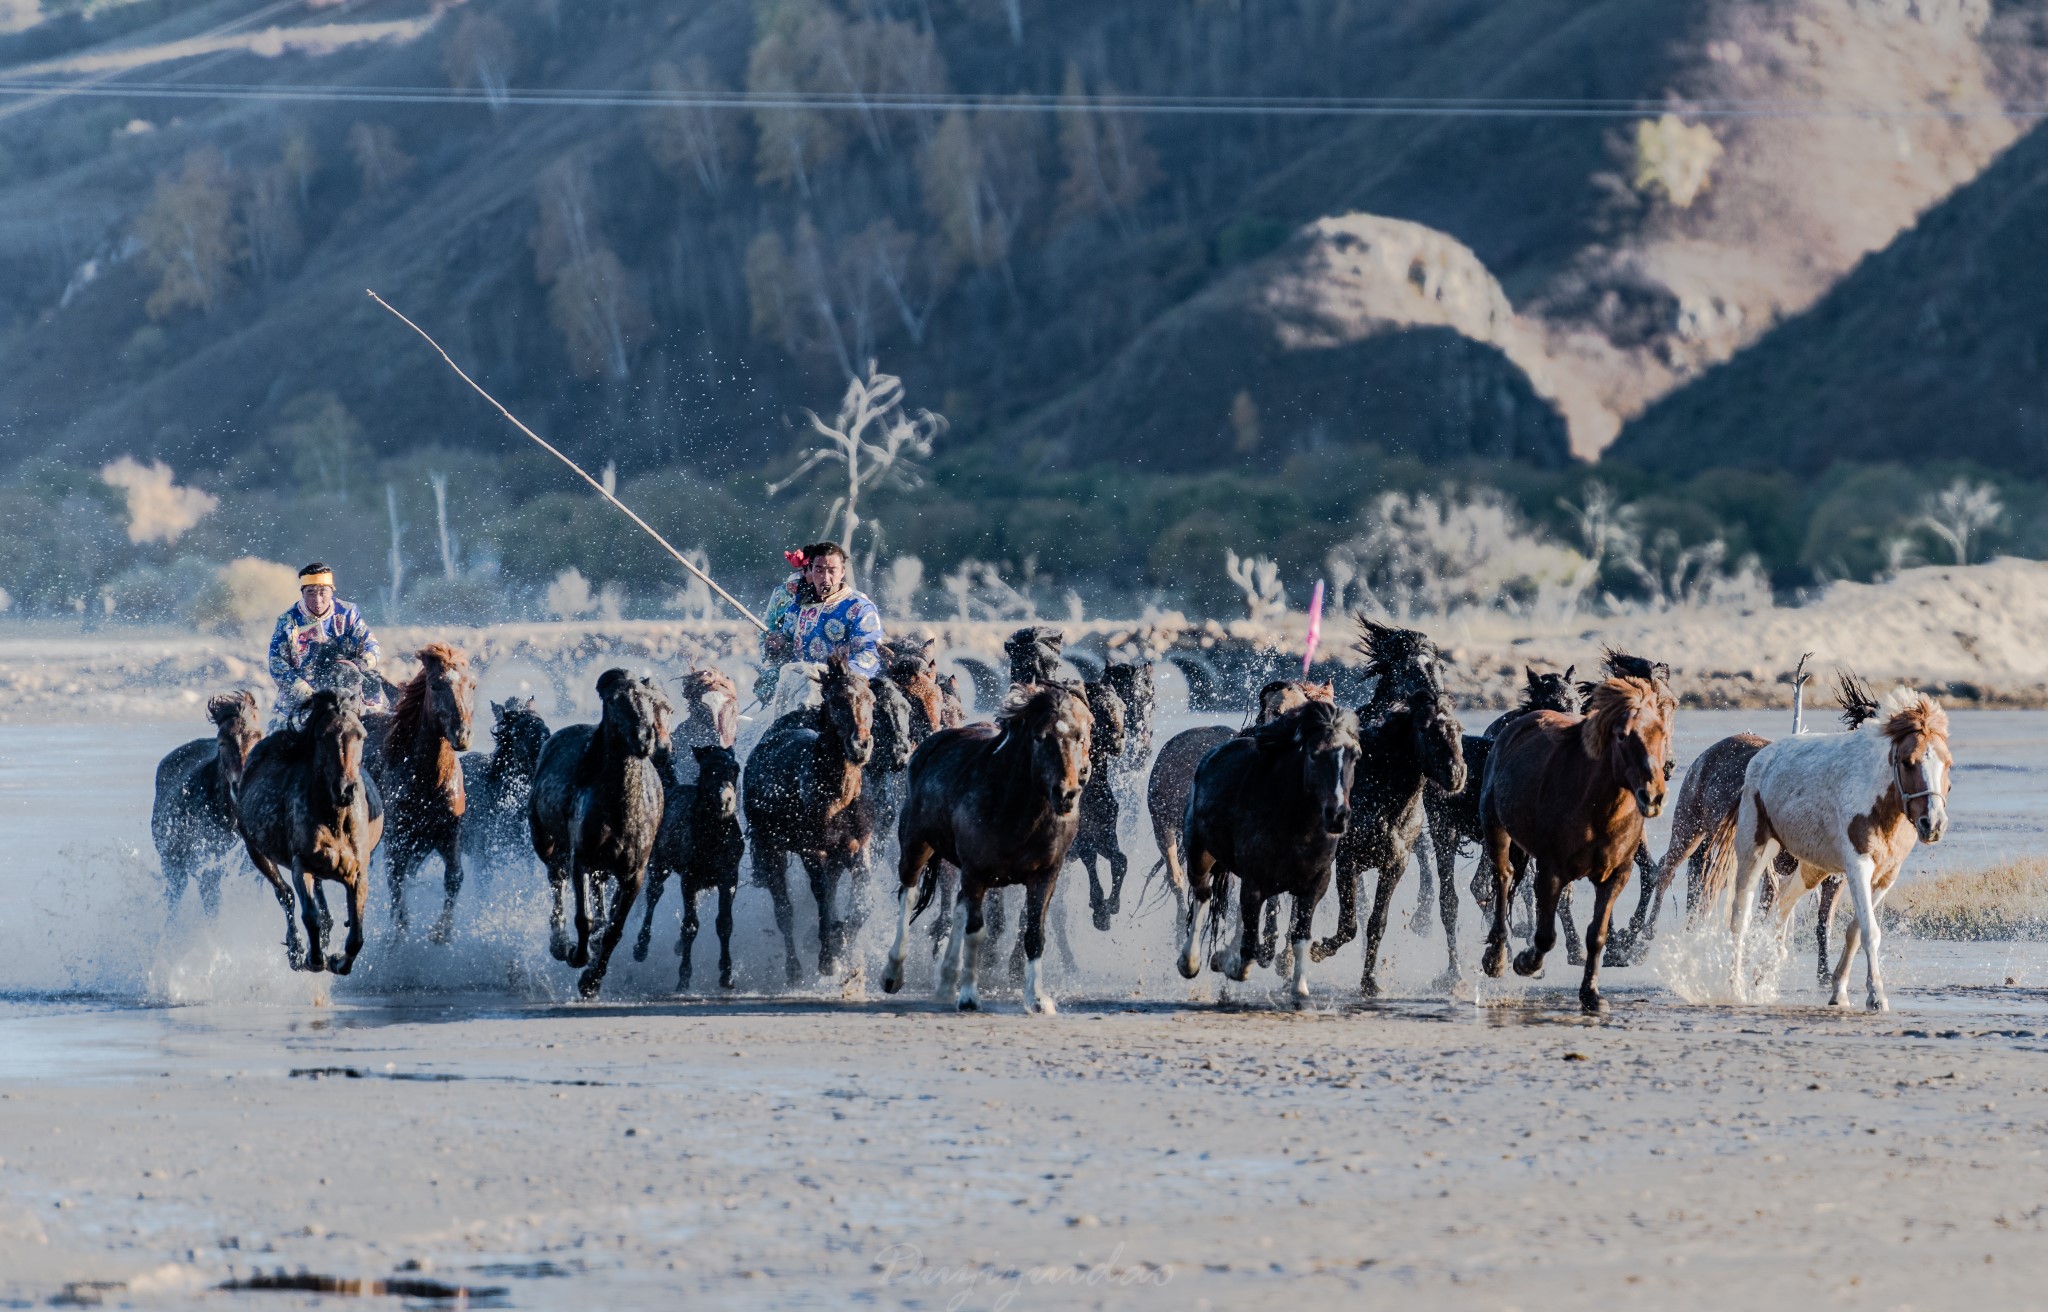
{"points": [[1146, 886], [927, 886], [1717, 879]]}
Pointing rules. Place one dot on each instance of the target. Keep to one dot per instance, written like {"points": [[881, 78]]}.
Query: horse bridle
{"points": [[1906, 798]]}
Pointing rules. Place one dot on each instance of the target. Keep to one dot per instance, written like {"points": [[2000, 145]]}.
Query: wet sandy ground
{"points": [[814, 1153]]}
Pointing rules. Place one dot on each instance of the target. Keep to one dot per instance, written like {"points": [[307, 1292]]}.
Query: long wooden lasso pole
{"points": [[647, 528]]}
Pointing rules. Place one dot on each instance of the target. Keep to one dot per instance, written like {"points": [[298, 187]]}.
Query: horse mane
{"points": [[412, 698], [1031, 708], [1859, 704], [1534, 685], [1611, 703], [224, 707], [1909, 713], [1388, 648], [1034, 650], [1314, 723]]}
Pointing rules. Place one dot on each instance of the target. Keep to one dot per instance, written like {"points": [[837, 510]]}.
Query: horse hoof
{"points": [[339, 965], [1102, 920], [639, 952], [315, 964], [1447, 981], [1368, 987], [725, 982], [441, 934], [1419, 924], [1878, 1004], [969, 1004], [587, 987], [1320, 951], [1494, 961], [578, 957], [558, 950], [1045, 1007], [1613, 960], [1592, 1004], [1528, 962]]}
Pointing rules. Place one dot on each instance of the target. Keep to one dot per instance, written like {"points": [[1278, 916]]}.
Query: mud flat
{"points": [[1422, 1153]]}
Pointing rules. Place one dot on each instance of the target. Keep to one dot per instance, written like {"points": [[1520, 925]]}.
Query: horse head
{"points": [[635, 712], [715, 691], [849, 711], [1628, 724], [952, 710], [237, 725], [1327, 739], [1034, 654], [893, 738], [1283, 695], [1110, 735], [335, 733], [912, 673], [1132, 681], [1054, 720], [718, 779], [1410, 682], [440, 699], [1920, 762], [1549, 692], [518, 732]]}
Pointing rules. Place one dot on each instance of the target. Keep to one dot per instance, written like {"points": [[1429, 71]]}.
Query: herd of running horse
{"points": [[848, 772]]}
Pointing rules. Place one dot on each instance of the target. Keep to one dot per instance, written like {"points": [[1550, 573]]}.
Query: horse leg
{"points": [[209, 886], [1037, 903], [953, 965], [686, 937], [1057, 913], [585, 880], [974, 904], [1348, 875], [303, 882], [1098, 901], [625, 888], [996, 913], [402, 857], [1572, 951], [294, 953], [1548, 885], [1621, 947], [1425, 863], [657, 880], [1199, 891], [1236, 964], [724, 927], [911, 864], [1525, 906], [177, 873], [1119, 867], [771, 867], [451, 884], [1830, 889], [1298, 936], [1269, 932], [1864, 903], [1498, 850], [1604, 893], [1447, 910], [1753, 850], [825, 891], [1852, 938], [358, 910], [1376, 927], [558, 924]]}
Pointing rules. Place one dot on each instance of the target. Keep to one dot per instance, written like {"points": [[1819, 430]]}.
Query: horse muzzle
{"points": [[1651, 807], [1068, 799], [1336, 819], [1932, 826]]}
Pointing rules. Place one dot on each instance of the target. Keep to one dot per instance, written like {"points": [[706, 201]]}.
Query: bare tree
{"points": [[875, 441], [189, 235], [447, 540], [697, 139], [379, 160], [396, 558], [1258, 577], [1959, 512], [591, 296], [481, 53], [270, 216]]}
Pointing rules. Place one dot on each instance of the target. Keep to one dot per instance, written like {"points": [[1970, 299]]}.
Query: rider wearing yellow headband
{"points": [[318, 617]]}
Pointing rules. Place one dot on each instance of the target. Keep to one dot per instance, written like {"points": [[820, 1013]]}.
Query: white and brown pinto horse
{"points": [[1848, 803]]}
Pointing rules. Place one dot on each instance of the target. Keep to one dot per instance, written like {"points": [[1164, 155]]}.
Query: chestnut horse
{"points": [[1001, 802], [1848, 803], [1571, 792], [193, 818], [416, 758], [594, 812], [802, 795], [1270, 807], [307, 802]]}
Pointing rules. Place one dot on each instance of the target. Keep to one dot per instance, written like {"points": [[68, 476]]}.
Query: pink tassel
{"points": [[1315, 626]]}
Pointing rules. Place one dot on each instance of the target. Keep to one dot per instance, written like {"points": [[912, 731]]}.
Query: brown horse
{"points": [[802, 795], [416, 758], [306, 802], [910, 664], [193, 819], [1572, 792], [1000, 802]]}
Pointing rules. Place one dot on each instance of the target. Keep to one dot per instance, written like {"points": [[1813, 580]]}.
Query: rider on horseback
{"points": [[318, 618], [816, 614]]}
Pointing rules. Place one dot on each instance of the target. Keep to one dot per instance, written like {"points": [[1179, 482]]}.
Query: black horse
{"points": [[700, 843], [1001, 803], [802, 795], [1269, 806], [595, 809], [498, 783], [1097, 838], [1034, 654], [193, 819], [1408, 735], [307, 802]]}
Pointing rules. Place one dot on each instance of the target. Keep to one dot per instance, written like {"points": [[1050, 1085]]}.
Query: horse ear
{"points": [[1569, 671]]}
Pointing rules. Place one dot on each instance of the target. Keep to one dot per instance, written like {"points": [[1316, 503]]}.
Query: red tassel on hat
{"points": [[795, 559]]}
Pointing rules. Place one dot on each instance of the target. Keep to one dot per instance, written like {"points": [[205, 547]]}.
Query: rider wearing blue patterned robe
{"points": [[319, 617], [816, 615]]}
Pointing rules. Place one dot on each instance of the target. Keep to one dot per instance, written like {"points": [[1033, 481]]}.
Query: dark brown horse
{"points": [[1096, 838], [952, 711], [1034, 654], [193, 819], [1408, 737], [498, 784], [1173, 774], [306, 802], [1001, 803], [595, 810], [910, 664], [1571, 793], [700, 843], [802, 795], [416, 758], [1270, 807]]}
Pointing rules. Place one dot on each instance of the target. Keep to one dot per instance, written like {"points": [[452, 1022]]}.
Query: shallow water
{"points": [[82, 910]]}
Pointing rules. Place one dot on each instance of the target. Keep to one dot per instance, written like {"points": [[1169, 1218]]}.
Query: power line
{"points": [[1224, 106]]}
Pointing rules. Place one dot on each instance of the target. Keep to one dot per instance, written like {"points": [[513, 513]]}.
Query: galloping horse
{"points": [[700, 843], [1096, 837], [802, 795], [1270, 807], [416, 759], [595, 809], [498, 784], [1001, 802], [1851, 803], [193, 818], [1408, 736], [306, 802], [1571, 792]]}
